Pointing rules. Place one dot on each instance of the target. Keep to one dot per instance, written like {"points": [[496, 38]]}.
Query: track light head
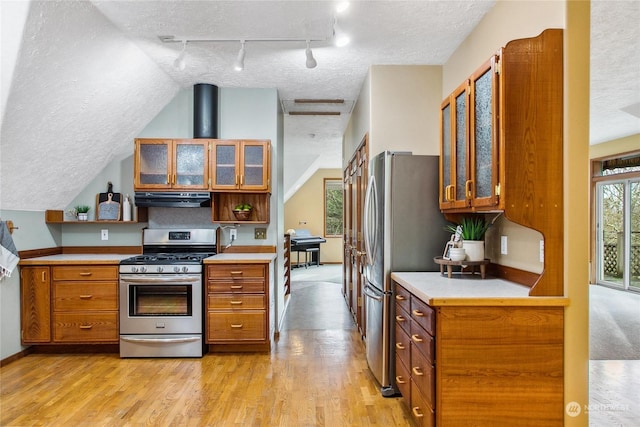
{"points": [[311, 61], [239, 64]]}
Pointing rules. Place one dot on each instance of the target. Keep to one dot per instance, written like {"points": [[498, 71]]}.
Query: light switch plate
{"points": [[503, 245], [260, 233], [541, 250]]}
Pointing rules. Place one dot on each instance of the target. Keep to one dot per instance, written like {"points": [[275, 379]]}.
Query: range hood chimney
{"points": [[205, 111]]}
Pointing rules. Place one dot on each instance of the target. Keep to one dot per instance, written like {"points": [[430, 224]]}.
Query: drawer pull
{"points": [[400, 298], [400, 318], [399, 346], [235, 302], [236, 326], [416, 412], [416, 338], [86, 296], [236, 273], [85, 274], [418, 313], [236, 286], [399, 380], [86, 326], [417, 371]]}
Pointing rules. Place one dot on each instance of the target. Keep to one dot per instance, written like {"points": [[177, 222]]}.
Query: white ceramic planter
{"points": [[474, 249], [83, 216]]}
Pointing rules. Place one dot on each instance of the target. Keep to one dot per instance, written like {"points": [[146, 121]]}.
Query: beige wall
{"points": [[307, 205], [617, 146]]}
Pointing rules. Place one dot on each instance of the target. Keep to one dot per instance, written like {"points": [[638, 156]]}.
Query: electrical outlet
{"points": [[104, 234], [503, 245], [233, 234], [260, 233]]}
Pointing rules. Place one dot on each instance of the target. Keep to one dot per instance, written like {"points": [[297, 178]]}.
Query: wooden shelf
{"points": [[222, 205], [57, 217]]}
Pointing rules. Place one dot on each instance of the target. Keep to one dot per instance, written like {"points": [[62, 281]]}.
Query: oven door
{"points": [[160, 304]]}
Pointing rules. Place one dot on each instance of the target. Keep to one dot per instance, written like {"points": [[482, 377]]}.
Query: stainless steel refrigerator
{"points": [[403, 231]]}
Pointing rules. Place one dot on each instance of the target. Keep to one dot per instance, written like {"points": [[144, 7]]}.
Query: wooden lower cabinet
{"points": [[480, 365], [237, 307], [70, 304]]}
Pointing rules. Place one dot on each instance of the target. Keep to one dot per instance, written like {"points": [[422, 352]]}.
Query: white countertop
{"points": [[76, 258], [436, 290], [245, 258]]}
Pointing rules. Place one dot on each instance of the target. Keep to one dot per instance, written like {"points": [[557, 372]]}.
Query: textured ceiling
{"points": [[91, 74]]}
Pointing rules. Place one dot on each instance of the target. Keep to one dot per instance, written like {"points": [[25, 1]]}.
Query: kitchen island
{"points": [[472, 351], [239, 308]]}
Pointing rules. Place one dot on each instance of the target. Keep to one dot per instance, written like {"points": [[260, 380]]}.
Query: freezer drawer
{"points": [[378, 339]]}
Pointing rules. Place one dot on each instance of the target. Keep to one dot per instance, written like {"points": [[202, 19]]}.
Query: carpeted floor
{"points": [[614, 324]]}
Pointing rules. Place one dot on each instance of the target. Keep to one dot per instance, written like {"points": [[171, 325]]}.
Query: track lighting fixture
{"points": [[180, 63], [239, 64], [311, 61]]}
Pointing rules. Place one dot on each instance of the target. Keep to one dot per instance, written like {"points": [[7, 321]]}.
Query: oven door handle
{"points": [[173, 280], [160, 340]]}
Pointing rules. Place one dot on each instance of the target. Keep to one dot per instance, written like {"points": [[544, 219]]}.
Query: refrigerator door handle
{"points": [[370, 293], [370, 203]]}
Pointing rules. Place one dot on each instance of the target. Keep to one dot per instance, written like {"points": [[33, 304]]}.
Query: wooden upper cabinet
{"points": [[241, 165], [469, 143], [163, 164]]}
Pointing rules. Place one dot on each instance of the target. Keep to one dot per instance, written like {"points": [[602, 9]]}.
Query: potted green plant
{"points": [[473, 230], [82, 212]]}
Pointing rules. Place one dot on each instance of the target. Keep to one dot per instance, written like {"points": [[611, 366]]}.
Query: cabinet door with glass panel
{"points": [[171, 164], [241, 165]]}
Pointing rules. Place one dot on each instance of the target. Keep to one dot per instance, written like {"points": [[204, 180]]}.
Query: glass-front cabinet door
{"points": [[254, 164], [225, 160], [446, 156], [482, 186], [152, 163], [191, 164]]}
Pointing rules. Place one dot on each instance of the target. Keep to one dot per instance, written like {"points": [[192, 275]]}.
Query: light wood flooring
{"points": [[314, 376]]}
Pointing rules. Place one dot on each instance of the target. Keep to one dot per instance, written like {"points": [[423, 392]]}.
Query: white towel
{"points": [[8, 254]]}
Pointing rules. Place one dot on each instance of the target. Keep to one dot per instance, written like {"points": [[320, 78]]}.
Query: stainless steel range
{"points": [[161, 294]]}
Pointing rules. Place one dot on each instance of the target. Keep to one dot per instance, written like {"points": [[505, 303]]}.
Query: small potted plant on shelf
{"points": [[82, 212], [473, 231], [242, 212]]}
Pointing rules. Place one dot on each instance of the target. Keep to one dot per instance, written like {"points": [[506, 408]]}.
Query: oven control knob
{"points": [[143, 269], [160, 269], [176, 269], [185, 269], [134, 269]]}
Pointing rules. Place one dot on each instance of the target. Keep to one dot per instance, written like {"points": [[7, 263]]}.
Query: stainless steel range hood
{"points": [[172, 199]]}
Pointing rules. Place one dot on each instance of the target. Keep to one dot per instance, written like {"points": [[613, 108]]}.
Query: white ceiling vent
{"points": [[317, 107]]}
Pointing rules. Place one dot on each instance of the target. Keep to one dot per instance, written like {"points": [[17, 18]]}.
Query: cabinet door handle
{"points": [[400, 380], [236, 326], [85, 274], [416, 412], [468, 188], [236, 180], [416, 338], [168, 178], [400, 298], [86, 326], [400, 318], [235, 302], [241, 179], [399, 346], [44, 276], [418, 313], [86, 296], [417, 371]]}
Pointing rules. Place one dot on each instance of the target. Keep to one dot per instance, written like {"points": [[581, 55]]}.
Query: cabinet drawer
{"points": [[424, 342], [85, 327], [236, 286], [237, 327], [236, 302], [424, 315], [403, 298], [423, 374], [403, 319], [402, 345], [78, 296], [423, 414], [89, 272], [236, 271], [403, 380]]}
